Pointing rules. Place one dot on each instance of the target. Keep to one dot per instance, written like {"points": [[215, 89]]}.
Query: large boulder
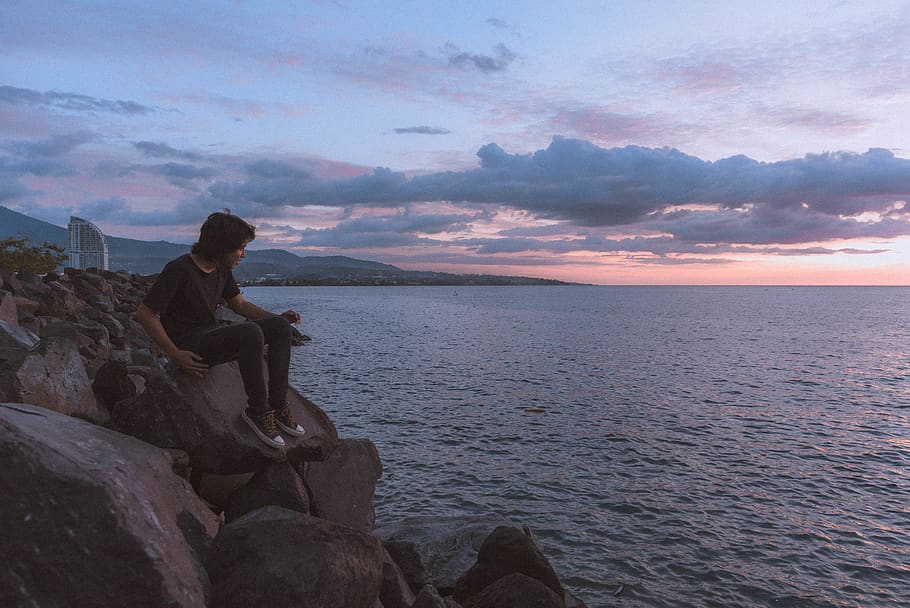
{"points": [[95, 518], [395, 591], [201, 416], [280, 558], [53, 376], [436, 550], [506, 551], [342, 486], [277, 484], [515, 591]]}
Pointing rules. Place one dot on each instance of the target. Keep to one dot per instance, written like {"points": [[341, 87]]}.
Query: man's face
{"points": [[232, 258]]}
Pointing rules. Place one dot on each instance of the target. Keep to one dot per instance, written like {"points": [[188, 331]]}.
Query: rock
{"points": [[112, 383], [95, 518], [10, 282], [278, 484], [51, 376], [276, 557], [216, 489], [515, 591], [202, 417], [9, 312], [395, 591], [343, 485], [436, 550], [13, 336], [506, 551], [429, 598]]}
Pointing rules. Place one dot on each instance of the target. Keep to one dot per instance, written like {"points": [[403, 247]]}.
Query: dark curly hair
{"points": [[222, 233]]}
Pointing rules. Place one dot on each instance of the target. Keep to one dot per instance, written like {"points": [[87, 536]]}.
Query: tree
{"points": [[16, 255]]}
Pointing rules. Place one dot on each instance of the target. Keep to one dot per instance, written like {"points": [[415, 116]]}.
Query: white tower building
{"points": [[88, 245]]}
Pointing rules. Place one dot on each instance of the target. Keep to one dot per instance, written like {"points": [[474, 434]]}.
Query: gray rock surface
{"points": [[436, 550], [277, 484], [52, 376], [95, 518], [275, 557], [506, 551], [202, 417], [395, 591], [515, 591], [342, 486]]}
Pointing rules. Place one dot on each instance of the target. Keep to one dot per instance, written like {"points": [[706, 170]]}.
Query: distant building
{"points": [[88, 245]]}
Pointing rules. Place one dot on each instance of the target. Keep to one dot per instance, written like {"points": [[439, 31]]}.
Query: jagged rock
{"points": [[436, 550], [60, 301], [395, 591], [13, 336], [276, 557], [506, 551], [343, 485], [515, 590], [202, 417], [95, 518], [277, 484], [53, 376]]}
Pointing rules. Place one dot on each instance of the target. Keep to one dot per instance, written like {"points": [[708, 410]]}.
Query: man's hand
{"points": [[190, 362], [291, 316]]}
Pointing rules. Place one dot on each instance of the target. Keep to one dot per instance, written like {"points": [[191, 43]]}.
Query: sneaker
{"points": [[285, 419], [264, 427]]}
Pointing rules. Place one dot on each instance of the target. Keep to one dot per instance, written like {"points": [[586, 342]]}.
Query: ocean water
{"points": [[691, 446]]}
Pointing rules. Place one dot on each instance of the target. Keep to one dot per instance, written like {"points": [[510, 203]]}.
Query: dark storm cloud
{"points": [[422, 130], [70, 101]]}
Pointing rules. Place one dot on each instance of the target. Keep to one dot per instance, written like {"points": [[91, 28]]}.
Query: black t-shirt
{"points": [[184, 296]]}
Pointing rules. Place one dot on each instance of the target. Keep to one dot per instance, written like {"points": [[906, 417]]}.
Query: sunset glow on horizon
{"points": [[603, 143]]}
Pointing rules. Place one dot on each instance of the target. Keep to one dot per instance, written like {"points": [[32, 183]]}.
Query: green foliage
{"points": [[16, 255]]}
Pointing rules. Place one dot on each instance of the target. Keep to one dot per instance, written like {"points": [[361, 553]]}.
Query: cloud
{"points": [[56, 145], [70, 101], [423, 130], [39, 158], [737, 199], [162, 150], [498, 62]]}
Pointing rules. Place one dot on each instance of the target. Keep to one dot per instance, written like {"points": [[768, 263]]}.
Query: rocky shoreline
{"points": [[128, 483]]}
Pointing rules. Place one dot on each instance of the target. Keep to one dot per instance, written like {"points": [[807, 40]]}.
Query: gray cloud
{"points": [[816, 198], [161, 150], [500, 60], [422, 130], [70, 101]]}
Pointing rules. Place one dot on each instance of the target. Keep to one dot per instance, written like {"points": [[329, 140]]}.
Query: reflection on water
{"points": [[701, 446]]}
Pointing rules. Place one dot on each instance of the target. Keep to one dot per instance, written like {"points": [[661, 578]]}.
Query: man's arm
{"points": [[186, 359], [249, 310]]}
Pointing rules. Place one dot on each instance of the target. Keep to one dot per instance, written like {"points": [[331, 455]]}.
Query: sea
{"points": [[668, 446]]}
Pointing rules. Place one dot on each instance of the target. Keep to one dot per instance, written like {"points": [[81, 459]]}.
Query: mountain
{"points": [[268, 266]]}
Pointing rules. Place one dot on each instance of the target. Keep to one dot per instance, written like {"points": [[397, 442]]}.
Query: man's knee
{"points": [[276, 328], [251, 335]]}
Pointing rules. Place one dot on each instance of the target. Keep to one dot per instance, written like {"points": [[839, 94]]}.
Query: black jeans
{"points": [[245, 343]]}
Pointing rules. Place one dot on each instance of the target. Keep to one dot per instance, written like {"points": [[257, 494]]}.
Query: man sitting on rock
{"points": [[178, 313]]}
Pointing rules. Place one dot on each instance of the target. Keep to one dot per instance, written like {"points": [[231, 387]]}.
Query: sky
{"points": [[622, 142]]}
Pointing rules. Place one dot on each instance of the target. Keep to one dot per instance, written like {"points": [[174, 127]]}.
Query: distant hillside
{"points": [[273, 266]]}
